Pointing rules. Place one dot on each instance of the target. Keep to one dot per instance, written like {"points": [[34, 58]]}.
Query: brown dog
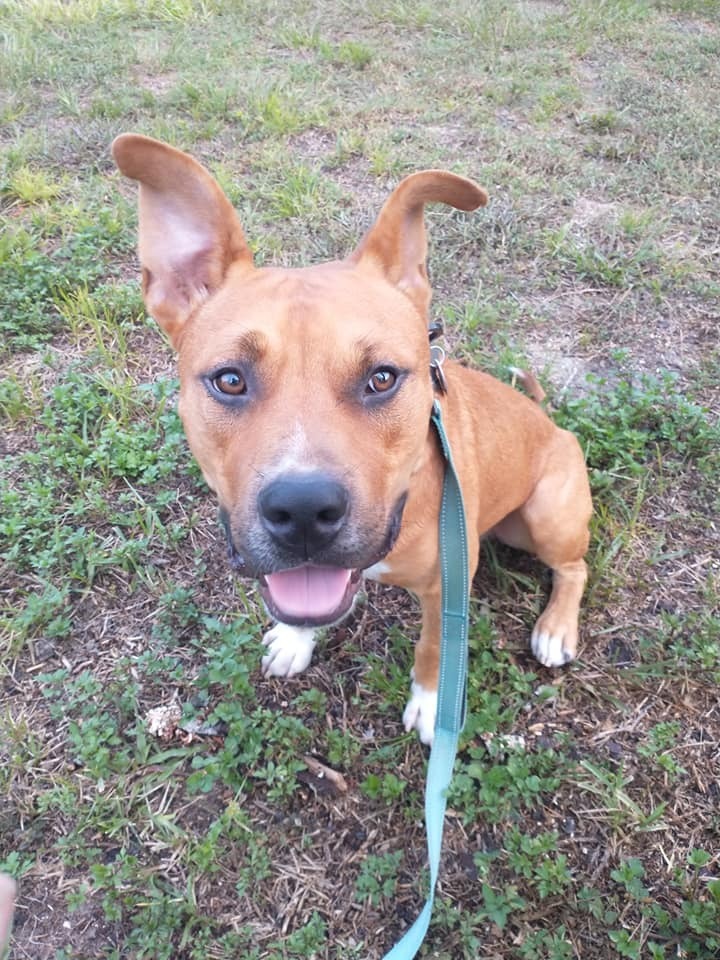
{"points": [[306, 398]]}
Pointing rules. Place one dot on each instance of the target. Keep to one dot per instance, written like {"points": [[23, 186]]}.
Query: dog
{"points": [[306, 395]]}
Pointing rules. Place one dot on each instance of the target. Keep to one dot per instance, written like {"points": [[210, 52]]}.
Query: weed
{"points": [[100, 320], [692, 640], [31, 279], [342, 748], [16, 406], [500, 904], [349, 53], [384, 160], [306, 941], [231, 830], [299, 194], [388, 788], [609, 263], [658, 747], [625, 428], [496, 789], [31, 186], [602, 122], [610, 786], [533, 859], [276, 113], [258, 744], [46, 612], [630, 874], [256, 865], [546, 945], [91, 439], [378, 877], [625, 945], [315, 701], [16, 864], [462, 927]]}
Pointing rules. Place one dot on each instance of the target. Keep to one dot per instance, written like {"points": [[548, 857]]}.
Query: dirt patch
{"points": [[43, 924], [159, 84]]}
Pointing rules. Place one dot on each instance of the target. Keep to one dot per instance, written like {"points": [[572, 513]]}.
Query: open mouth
{"points": [[310, 596]]}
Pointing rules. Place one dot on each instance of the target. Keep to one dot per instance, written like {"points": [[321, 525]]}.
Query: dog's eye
{"points": [[230, 382], [381, 381]]}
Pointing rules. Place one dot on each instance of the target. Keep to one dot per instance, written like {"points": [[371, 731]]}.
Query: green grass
{"points": [[583, 814]]}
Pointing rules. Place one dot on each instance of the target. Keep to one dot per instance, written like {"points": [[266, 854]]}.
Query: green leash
{"points": [[452, 684]]}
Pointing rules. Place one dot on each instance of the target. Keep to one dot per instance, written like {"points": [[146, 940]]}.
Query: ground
{"points": [[583, 819]]}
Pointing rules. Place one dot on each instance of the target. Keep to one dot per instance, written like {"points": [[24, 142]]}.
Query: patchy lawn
{"points": [[584, 818]]}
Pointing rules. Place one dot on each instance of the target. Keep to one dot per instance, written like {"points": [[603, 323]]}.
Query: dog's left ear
{"points": [[396, 242]]}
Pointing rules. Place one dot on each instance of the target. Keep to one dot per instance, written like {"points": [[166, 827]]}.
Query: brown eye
{"points": [[230, 382], [381, 381]]}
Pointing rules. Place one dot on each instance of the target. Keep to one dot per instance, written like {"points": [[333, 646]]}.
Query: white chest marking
{"points": [[377, 570]]}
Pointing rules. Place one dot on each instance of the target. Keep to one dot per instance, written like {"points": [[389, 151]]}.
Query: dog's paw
{"points": [[420, 712], [289, 650], [553, 644]]}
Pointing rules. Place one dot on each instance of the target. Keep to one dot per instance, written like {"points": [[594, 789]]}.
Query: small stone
{"points": [[620, 653], [44, 649], [162, 721], [664, 605], [569, 826]]}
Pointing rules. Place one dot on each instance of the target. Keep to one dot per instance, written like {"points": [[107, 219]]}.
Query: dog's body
{"points": [[306, 397]]}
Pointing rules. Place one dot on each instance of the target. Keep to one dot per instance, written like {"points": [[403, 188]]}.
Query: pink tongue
{"points": [[308, 591]]}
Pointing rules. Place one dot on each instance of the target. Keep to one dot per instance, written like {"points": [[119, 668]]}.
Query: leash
{"points": [[452, 682]]}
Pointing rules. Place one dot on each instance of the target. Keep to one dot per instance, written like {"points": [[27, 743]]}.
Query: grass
{"points": [[583, 815]]}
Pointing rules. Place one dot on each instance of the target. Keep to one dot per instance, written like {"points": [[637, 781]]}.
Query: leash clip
{"points": [[435, 330], [437, 359]]}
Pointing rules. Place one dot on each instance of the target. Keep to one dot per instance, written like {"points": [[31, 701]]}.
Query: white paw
{"points": [[420, 712], [550, 648], [289, 649]]}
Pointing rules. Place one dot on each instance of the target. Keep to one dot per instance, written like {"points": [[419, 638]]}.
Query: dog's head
{"points": [[305, 393]]}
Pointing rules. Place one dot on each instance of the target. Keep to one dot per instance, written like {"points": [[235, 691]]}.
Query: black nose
{"points": [[304, 512]]}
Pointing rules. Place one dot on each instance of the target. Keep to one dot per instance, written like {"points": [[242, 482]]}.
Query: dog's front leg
{"points": [[421, 709], [289, 650]]}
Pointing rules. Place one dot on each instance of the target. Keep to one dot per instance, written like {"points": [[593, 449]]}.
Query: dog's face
{"points": [[306, 403], [305, 394]]}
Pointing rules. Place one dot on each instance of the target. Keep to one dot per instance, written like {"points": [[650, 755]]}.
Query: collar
{"points": [[437, 358]]}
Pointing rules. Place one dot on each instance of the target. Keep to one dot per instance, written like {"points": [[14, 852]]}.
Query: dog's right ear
{"points": [[189, 231]]}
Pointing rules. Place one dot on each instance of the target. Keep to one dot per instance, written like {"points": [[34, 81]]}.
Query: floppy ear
{"points": [[189, 231], [396, 242]]}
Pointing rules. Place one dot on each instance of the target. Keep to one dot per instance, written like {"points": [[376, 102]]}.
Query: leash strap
{"points": [[452, 682]]}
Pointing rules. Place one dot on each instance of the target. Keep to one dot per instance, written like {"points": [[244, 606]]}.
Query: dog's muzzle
{"points": [[309, 561], [303, 514]]}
